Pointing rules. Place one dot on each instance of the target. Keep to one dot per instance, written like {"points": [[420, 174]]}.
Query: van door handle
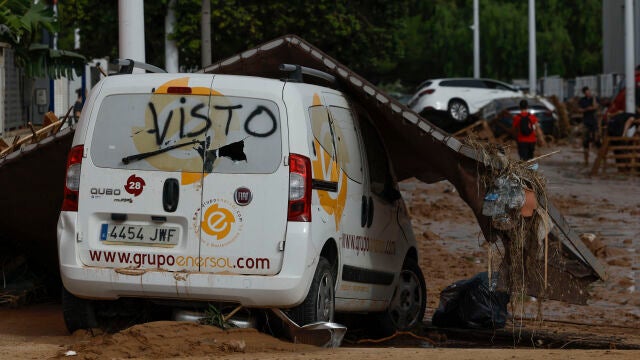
{"points": [[370, 212], [170, 195]]}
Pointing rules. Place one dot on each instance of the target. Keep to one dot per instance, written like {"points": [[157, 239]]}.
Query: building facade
{"points": [[613, 37]]}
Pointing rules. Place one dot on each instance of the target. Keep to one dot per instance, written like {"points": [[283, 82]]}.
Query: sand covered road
{"points": [[38, 332]]}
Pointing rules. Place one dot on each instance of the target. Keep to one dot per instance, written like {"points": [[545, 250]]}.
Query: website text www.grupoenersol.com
{"points": [[160, 260]]}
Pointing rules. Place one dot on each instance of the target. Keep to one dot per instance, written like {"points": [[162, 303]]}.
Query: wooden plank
{"points": [[624, 147], [36, 136], [623, 138], [624, 156], [626, 165], [22, 141], [49, 118], [47, 130], [57, 127], [11, 147], [33, 129]]}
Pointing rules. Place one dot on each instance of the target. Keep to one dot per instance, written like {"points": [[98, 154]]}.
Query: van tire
{"points": [[319, 305], [408, 304], [78, 313]]}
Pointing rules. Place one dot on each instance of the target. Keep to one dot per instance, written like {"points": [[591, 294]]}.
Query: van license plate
{"points": [[139, 234]]}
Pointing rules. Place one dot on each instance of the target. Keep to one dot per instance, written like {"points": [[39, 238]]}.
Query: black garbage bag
{"points": [[472, 303]]}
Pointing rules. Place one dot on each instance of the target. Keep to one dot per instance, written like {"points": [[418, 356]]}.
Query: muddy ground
{"points": [[452, 248]]}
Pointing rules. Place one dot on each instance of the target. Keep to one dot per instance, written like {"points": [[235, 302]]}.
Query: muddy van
{"points": [[265, 193]]}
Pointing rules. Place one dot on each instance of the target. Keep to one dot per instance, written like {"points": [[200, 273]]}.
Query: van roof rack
{"points": [[127, 66], [296, 71]]}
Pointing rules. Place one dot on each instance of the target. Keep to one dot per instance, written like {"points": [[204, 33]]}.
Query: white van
{"points": [[245, 190]]}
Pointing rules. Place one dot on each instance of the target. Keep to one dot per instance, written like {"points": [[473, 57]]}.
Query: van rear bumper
{"points": [[288, 288]]}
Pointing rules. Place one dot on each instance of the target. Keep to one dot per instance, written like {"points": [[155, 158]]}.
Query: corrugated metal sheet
{"points": [[419, 149]]}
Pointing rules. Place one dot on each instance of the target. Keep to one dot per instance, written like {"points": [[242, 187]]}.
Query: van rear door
{"points": [[141, 179], [245, 185]]}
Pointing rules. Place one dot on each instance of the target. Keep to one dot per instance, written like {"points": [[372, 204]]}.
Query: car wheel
{"points": [[77, 313], [409, 301], [458, 110], [319, 305]]}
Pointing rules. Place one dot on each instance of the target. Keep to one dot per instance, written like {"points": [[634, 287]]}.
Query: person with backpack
{"points": [[527, 131]]}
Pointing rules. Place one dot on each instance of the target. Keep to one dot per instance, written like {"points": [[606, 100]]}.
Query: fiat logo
{"points": [[242, 196]]}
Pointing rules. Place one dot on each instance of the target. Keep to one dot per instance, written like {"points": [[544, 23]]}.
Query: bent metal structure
{"points": [[32, 177]]}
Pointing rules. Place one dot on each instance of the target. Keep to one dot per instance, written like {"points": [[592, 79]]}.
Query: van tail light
{"points": [[72, 179], [299, 188]]}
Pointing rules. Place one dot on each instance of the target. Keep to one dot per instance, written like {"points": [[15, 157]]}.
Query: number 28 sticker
{"points": [[134, 185]]}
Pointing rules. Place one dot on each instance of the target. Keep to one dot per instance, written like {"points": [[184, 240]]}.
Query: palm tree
{"points": [[20, 23]]}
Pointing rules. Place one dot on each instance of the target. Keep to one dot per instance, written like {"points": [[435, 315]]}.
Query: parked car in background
{"points": [[459, 97], [540, 107]]}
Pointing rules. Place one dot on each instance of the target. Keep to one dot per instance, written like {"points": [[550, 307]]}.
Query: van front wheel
{"points": [[319, 305], [407, 306]]}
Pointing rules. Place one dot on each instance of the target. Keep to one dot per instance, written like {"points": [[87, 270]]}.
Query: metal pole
{"points": [[476, 39], [131, 31], [170, 48], [630, 92], [205, 28], [52, 87], [532, 47]]}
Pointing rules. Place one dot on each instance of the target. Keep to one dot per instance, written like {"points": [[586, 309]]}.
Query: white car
{"points": [[459, 97], [265, 193]]}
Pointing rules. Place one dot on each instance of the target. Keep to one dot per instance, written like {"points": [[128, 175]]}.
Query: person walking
{"points": [[527, 132], [588, 107]]}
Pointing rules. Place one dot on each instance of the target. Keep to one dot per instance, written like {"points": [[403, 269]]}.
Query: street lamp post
{"points": [[630, 92], [476, 39], [532, 47]]}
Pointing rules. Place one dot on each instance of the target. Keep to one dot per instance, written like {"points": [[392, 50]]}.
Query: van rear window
{"points": [[191, 133]]}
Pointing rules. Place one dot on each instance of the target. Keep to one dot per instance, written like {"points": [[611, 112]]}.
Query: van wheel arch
{"points": [[412, 253], [330, 252], [408, 302]]}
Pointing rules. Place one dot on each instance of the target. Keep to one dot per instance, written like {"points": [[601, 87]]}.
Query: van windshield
{"points": [[191, 133]]}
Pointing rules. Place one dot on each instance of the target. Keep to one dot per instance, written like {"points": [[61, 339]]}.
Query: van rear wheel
{"points": [[409, 301], [319, 305], [77, 313]]}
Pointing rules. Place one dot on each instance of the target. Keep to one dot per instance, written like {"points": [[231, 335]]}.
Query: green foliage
{"points": [[383, 40], [364, 34], [214, 317], [20, 24]]}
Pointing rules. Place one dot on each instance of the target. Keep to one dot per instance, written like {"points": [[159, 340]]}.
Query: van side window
{"points": [[381, 181], [321, 128], [348, 145]]}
